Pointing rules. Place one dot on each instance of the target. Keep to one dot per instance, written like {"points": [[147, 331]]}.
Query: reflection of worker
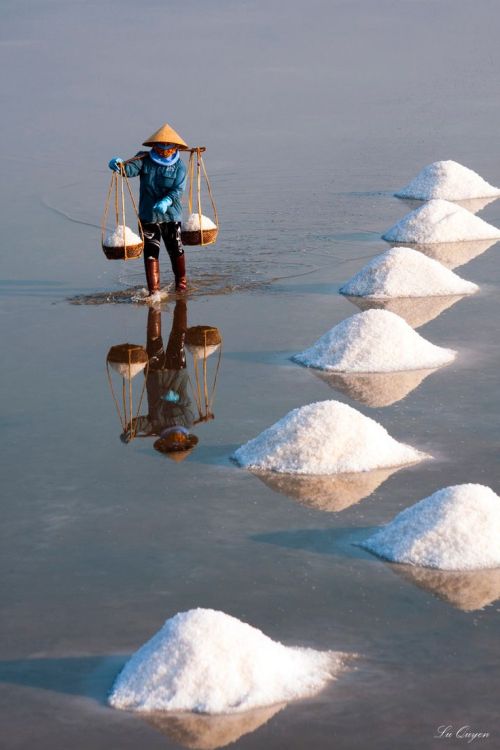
{"points": [[162, 183], [167, 383]]}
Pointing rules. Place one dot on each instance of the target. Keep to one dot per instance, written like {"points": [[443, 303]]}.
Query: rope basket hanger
{"points": [[116, 195], [199, 236]]}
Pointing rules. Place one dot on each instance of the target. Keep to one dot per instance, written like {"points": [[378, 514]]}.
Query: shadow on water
{"points": [[93, 676], [85, 676], [339, 542]]}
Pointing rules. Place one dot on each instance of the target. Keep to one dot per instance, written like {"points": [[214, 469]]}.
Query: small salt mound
{"points": [[448, 180], [206, 661], [117, 239], [192, 223], [456, 528], [326, 437], [373, 341], [403, 272], [440, 221]]}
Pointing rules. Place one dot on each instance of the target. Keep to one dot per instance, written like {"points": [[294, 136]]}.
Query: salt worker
{"points": [[162, 183]]}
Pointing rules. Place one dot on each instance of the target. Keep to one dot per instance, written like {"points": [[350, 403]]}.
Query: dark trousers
{"points": [[170, 231]]}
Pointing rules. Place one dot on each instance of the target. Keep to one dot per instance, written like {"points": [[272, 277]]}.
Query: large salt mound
{"points": [[448, 180], [373, 341], [209, 662], [326, 437], [440, 221], [456, 528], [403, 272]]}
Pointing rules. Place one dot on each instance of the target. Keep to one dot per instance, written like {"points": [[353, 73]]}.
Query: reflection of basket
{"points": [[196, 238], [203, 336], [125, 252], [131, 355]]}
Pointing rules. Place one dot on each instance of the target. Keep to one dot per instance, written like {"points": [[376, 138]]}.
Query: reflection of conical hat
{"points": [[205, 732], [328, 493], [417, 311], [467, 590], [166, 134]]}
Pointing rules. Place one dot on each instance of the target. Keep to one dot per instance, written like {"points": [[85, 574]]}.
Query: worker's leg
{"points": [[152, 238], [171, 232]]}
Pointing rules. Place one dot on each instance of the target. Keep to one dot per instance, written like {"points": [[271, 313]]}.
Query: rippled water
{"points": [[312, 118]]}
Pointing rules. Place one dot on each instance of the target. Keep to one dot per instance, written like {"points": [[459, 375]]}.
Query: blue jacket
{"points": [[157, 182]]}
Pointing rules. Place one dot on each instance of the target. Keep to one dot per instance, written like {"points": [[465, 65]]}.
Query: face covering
{"points": [[165, 161]]}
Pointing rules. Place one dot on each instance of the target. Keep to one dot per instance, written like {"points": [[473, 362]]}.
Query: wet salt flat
{"points": [[102, 541]]}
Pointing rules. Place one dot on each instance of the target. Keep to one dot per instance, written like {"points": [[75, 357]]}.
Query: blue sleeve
{"points": [[133, 166]]}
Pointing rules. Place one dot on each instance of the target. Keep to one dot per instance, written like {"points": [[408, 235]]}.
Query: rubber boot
{"points": [[179, 265], [152, 267]]}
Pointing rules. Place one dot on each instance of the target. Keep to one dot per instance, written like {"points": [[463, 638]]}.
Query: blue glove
{"points": [[160, 207], [113, 164]]}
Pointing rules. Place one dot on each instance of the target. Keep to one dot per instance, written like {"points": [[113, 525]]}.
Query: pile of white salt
{"points": [[327, 437], [456, 528], [403, 272], [440, 221], [374, 341], [448, 180], [192, 223], [206, 661], [120, 236]]}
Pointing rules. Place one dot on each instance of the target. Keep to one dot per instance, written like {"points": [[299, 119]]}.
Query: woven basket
{"points": [[194, 238], [123, 253], [203, 336]]}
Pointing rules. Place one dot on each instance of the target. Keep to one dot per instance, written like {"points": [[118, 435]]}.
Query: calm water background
{"points": [[313, 113]]}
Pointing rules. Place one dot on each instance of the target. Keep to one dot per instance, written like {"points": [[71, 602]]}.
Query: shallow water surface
{"points": [[103, 538]]}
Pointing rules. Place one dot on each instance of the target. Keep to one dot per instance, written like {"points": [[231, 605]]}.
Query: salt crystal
{"points": [[206, 661], [327, 437], [373, 341], [192, 223], [440, 221], [116, 237], [403, 272], [456, 528], [448, 180]]}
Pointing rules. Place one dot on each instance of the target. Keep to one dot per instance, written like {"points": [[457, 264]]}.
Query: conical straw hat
{"points": [[166, 134]]}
